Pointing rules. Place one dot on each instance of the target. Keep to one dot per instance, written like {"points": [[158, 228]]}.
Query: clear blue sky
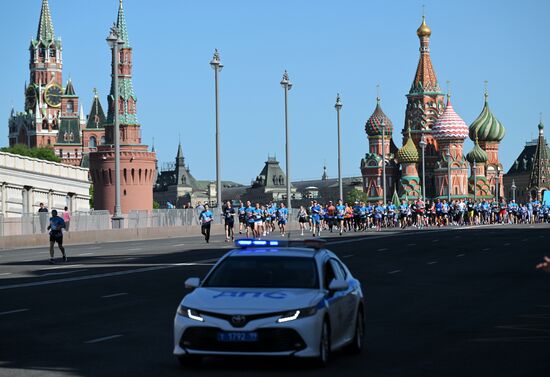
{"points": [[327, 47]]}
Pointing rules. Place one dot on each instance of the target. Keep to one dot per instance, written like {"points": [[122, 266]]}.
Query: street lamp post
{"points": [[449, 173], [514, 187], [115, 42], [383, 126], [423, 144], [475, 181], [287, 85], [217, 67], [496, 185], [338, 107]]}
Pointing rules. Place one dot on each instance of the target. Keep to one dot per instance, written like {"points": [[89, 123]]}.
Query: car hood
{"points": [[251, 300]]}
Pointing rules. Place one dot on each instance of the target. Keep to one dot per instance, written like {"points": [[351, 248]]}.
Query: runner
{"points": [[282, 216], [206, 218], [242, 217], [340, 215], [229, 217], [249, 214], [316, 219], [302, 219], [56, 235]]}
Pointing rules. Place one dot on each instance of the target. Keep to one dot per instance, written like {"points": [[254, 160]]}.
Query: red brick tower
{"points": [[425, 103], [137, 164]]}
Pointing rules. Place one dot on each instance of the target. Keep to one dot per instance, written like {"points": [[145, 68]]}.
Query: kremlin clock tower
{"points": [[137, 164]]}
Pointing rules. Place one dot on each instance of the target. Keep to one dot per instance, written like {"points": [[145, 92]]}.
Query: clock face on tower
{"points": [[52, 95]]}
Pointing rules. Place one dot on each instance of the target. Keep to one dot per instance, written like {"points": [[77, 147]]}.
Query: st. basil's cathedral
{"points": [[431, 118]]}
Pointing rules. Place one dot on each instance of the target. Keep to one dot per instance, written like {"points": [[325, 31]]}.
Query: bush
{"points": [[356, 196]]}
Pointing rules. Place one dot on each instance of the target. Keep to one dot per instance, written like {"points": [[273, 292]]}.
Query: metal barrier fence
{"points": [[37, 223]]}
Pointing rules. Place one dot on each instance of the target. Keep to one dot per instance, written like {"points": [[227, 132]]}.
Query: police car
{"points": [[271, 298]]}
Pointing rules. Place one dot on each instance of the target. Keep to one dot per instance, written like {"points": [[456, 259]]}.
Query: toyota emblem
{"points": [[238, 320]]}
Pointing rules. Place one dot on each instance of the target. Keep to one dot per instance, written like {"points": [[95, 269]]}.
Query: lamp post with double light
{"points": [[115, 42], [338, 107], [287, 85], [217, 67]]}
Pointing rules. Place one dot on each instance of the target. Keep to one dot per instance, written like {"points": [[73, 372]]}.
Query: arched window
{"points": [[93, 142], [102, 140], [70, 106], [281, 180]]}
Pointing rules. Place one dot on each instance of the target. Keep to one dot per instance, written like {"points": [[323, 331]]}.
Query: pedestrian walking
{"points": [[206, 218], [67, 218], [56, 235], [43, 217]]}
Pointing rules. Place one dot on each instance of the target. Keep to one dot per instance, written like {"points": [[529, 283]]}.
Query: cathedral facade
{"points": [[431, 121]]}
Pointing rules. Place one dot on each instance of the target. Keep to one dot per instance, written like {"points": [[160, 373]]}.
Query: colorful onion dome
{"points": [[477, 154], [373, 127], [449, 125], [424, 30], [408, 153], [486, 126]]}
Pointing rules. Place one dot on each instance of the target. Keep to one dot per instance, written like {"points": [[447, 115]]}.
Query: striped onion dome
{"points": [[373, 125], [477, 154], [408, 153], [487, 126], [449, 125]]}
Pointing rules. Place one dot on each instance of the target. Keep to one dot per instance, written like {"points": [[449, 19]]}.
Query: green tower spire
{"points": [[121, 25], [45, 25]]}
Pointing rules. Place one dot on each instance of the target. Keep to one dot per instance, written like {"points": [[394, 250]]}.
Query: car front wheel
{"points": [[324, 345], [358, 342]]}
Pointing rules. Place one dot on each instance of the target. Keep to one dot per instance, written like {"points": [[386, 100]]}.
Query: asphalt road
{"points": [[458, 302]]}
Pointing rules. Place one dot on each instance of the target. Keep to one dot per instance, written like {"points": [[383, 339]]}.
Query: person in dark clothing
{"points": [[43, 217], [56, 235], [229, 217]]}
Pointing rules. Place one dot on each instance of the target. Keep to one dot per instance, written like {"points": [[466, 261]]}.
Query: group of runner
{"points": [[258, 220]]}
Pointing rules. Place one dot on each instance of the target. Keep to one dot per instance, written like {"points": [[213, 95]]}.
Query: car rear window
{"points": [[264, 272]]}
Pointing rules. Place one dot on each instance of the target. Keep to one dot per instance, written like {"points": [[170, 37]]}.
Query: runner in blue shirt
{"points": [[316, 219], [378, 214], [56, 235], [249, 214], [403, 212], [206, 218], [340, 213], [282, 217], [242, 217]]}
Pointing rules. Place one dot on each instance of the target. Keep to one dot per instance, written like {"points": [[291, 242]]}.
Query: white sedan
{"points": [[268, 299]]}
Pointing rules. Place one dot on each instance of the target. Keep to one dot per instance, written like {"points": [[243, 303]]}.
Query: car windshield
{"points": [[264, 272]]}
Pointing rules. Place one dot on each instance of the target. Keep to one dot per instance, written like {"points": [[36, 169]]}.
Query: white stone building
{"points": [[26, 182]]}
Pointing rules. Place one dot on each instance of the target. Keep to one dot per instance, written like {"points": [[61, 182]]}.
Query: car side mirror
{"points": [[192, 283], [338, 285]]}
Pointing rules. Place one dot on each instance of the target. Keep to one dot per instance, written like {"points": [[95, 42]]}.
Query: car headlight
{"points": [[295, 314], [190, 313]]}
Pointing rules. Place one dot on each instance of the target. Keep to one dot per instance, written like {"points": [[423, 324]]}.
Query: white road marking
{"points": [[432, 262], [102, 339], [94, 248], [80, 255], [382, 249], [14, 311], [114, 295], [394, 272], [5, 273], [348, 256], [27, 260], [135, 249], [460, 255], [178, 245], [62, 273]]}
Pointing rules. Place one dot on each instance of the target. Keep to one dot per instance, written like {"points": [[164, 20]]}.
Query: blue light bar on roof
{"points": [[244, 243]]}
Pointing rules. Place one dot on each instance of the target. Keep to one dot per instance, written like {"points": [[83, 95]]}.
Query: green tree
{"points": [[42, 153], [156, 204], [356, 196]]}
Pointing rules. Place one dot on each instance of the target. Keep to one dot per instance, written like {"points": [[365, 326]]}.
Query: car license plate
{"points": [[237, 337]]}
